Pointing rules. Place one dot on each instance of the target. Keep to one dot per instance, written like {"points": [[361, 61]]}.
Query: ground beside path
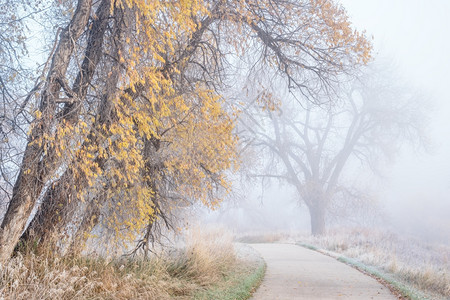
{"points": [[294, 272]]}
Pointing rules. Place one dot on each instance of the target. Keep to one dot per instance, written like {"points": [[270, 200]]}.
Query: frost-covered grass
{"points": [[207, 264], [423, 266], [400, 288]]}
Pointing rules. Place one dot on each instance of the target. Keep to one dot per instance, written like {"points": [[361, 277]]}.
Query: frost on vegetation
{"points": [[32, 277], [425, 266], [206, 259]]}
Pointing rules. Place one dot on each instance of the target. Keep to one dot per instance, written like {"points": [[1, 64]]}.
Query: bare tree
{"points": [[310, 147]]}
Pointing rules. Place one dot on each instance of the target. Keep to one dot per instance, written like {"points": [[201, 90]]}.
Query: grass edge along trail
{"points": [[397, 287], [239, 285]]}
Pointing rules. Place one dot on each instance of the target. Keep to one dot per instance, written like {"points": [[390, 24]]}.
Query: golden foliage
{"points": [[191, 126]]}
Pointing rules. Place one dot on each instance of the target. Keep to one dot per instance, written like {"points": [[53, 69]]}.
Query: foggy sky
{"points": [[416, 35], [415, 188]]}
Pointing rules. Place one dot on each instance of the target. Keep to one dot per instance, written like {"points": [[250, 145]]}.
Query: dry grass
{"points": [[210, 253], [36, 277], [207, 258], [425, 266]]}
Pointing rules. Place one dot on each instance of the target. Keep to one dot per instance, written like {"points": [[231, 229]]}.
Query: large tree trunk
{"points": [[60, 200], [37, 166], [316, 198], [317, 214]]}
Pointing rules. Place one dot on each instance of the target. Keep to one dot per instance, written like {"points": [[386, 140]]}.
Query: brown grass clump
{"points": [[208, 256]]}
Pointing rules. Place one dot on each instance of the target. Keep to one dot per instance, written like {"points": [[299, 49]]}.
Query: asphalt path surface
{"points": [[294, 272]]}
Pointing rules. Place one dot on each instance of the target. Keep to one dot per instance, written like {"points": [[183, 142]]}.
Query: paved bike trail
{"points": [[294, 272]]}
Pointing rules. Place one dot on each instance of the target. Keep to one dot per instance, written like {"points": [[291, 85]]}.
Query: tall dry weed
{"points": [[210, 254]]}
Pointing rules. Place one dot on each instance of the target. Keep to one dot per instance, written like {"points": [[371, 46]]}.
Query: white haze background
{"points": [[413, 190], [416, 35]]}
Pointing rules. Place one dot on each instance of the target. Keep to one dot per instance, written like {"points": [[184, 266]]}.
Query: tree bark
{"points": [[56, 203], [36, 166], [90, 219]]}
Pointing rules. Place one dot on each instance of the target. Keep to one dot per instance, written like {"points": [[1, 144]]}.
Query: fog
{"points": [[416, 189], [412, 191]]}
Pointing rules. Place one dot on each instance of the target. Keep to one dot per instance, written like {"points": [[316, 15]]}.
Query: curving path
{"points": [[294, 272]]}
